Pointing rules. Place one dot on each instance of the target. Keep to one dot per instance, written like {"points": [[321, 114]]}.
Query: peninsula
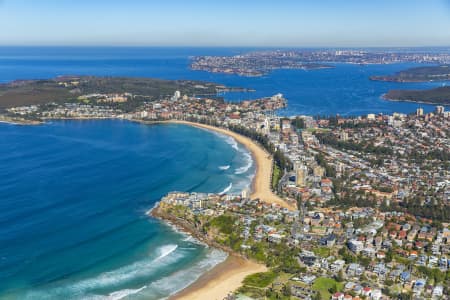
{"points": [[418, 74], [438, 96], [340, 208], [115, 92], [259, 63]]}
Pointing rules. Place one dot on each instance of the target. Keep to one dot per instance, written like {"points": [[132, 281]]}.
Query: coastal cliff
{"points": [[191, 228], [225, 278]]}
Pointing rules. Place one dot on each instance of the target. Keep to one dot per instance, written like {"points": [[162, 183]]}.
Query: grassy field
{"points": [[276, 176], [322, 251], [260, 280], [323, 286]]}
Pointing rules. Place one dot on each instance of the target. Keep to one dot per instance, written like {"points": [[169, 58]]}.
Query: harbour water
{"points": [[73, 194], [344, 90]]}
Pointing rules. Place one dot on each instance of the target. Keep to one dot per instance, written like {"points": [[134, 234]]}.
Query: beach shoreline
{"points": [[261, 183], [220, 281], [227, 277], [224, 278]]}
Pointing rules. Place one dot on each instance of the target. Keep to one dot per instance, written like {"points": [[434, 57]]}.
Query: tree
{"points": [[340, 276], [333, 289], [287, 290], [388, 257], [317, 296]]}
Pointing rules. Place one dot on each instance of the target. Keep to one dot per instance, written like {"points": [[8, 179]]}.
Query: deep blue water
{"points": [[73, 195], [73, 201], [345, 90]]}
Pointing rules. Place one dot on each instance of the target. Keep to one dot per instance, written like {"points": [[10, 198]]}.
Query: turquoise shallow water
{"points": [[73, 201]]}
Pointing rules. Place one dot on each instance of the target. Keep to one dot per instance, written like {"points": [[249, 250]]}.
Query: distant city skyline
{"points": [[251, 23]]}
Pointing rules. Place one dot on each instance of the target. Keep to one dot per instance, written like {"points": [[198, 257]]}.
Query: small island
{"points": [[438, 96], [419, 74]]}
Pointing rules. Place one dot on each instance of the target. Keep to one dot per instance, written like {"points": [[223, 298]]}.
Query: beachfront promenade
{"points": [[228, 276], [261, 186]]}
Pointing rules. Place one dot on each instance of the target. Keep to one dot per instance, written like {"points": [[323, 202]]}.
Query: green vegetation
{"points": [[68, 89], [322, 252], [330, 139], [347, 255], [280, 160], [224, 223], [326, 287], [19, 93], [440, 95], [418, 74], [435, 274], [276, 176], [229, 231], [329, 170], [260, 280], [179, 211], [258, 252], [298, 123]]}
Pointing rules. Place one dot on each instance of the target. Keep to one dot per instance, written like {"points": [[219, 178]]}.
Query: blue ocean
{"points": [[74, 194]]}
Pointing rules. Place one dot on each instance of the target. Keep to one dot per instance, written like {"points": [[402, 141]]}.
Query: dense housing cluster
{"points": [[372, 196]]}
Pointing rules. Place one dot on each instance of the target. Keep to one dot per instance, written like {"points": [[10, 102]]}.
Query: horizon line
{"points": [[220, 46]]}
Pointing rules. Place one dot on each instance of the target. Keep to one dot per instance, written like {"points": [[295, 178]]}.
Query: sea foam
{"points": [[85, 289], [179, 280], [227, 189], [124, 293], [166, 250], [248, 164]]}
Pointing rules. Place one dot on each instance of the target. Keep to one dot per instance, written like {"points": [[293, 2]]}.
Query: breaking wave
{"points": [[232, 142], [166, 250], [227, 189], [85, 289], [124, 293], [224, 167], [179, 280], [248, 165]]}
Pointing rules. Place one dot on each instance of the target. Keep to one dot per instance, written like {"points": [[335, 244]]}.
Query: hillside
{"points": [[419, 74], [440, 95], [68, 88]]}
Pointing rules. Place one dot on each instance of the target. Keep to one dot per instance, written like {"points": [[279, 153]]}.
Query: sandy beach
{"points": [[227, 276], [224, 278], [263, 160]]}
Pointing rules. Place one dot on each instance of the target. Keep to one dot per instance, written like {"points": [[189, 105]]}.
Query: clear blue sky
{"points": [[226, 22]]}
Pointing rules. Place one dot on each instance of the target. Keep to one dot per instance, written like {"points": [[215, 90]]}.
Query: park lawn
{"points": [[260, 280], [313, 130], [276, 176], [323, 284], [322, 251]]}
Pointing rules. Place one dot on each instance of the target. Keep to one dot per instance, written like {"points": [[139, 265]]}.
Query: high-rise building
{"points": [[343, 135], [419, 112], [176, 96], [440, 109], [302, 173], [245, 194], [319, 171]]}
